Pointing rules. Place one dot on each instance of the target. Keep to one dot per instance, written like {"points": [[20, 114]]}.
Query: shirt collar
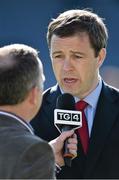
{"points": [[23, 122], [93, 97]]}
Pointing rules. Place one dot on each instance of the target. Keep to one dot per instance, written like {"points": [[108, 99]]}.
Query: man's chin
{"points": [[68, 91]]}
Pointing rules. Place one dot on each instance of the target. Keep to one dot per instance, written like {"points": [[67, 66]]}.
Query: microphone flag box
{"points": [[67, 117]]}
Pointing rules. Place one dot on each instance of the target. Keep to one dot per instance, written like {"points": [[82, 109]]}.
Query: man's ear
{"points": [[101, 57], [33, 95]]}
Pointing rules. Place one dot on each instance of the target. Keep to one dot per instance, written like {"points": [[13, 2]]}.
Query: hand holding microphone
{"points": [[58, 143], [67, 118]]}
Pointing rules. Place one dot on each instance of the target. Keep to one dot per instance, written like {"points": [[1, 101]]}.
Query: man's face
{"points": [[74, 63]]}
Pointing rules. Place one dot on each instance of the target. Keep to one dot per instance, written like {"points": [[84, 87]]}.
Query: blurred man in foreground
{"points": [[22, 154]]}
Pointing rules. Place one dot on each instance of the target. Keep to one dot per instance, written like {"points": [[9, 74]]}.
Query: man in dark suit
{"points": [[77, 41], [22, 154]]}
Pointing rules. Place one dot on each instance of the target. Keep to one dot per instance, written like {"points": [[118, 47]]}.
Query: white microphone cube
{"points": [[67, 117]]}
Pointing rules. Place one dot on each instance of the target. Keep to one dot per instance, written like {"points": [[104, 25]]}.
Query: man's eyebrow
{"points": [[56, 52], [77, 52]]}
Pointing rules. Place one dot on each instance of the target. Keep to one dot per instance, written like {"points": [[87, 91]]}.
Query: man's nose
{"points": [[67, 66]]}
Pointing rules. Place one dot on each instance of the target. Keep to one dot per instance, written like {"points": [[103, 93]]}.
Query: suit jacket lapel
{"points": [[50, 104], [50, 100], [106, 113], [54, 93]]}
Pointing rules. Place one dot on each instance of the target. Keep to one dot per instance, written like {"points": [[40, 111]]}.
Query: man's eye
{"points": [[57, 56], [78, 57]]}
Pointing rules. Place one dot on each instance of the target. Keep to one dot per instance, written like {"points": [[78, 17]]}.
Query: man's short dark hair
{"points": [[74, 22], [19, 72]]}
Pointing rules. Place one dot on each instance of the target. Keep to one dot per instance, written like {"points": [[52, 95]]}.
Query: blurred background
{"points": [[26, 21]]}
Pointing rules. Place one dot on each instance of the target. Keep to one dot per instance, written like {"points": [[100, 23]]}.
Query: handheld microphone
{"points": [[67, 118]]}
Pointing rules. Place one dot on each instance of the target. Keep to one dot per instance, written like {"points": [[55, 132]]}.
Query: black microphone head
{"points": [[65, 101]]}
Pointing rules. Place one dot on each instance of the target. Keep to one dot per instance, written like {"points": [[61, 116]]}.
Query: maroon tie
{"points": [[83, 131]]}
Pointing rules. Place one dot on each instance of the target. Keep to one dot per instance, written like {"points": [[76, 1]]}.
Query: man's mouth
{"points": [[70, 80]]}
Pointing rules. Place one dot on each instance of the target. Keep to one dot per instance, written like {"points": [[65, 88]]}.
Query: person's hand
{"points": [[58, 143]]}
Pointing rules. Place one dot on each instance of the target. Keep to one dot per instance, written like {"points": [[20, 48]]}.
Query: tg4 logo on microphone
{"points": [[68, 117]]}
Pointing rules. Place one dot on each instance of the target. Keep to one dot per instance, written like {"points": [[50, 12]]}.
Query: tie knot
{"points": [[81, 105]]}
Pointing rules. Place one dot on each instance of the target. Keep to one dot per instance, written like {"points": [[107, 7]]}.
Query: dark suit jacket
{"points": [[23, 155], [102, 160]]}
